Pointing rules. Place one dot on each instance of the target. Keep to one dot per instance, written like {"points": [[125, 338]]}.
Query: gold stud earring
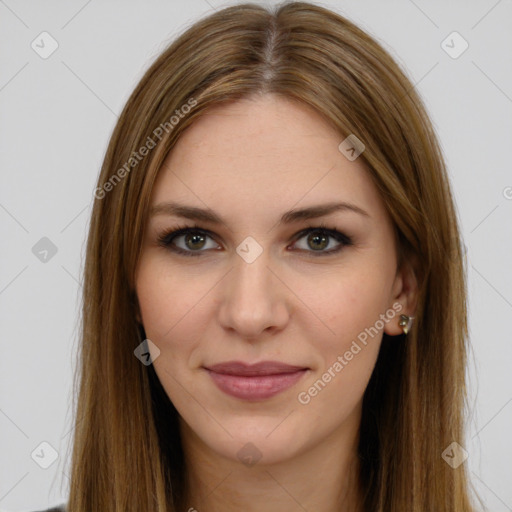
{"points": [[406, 323]]}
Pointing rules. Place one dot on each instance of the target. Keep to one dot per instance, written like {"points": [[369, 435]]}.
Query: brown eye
{"points": [[187, 241], [196, 240], [318, 239], [193, 241]]}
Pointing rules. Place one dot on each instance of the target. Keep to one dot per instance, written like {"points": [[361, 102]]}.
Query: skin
{"points": [[251, 161]]}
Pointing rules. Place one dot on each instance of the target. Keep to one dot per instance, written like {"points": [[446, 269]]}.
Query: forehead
{"points": [[264, 151]]}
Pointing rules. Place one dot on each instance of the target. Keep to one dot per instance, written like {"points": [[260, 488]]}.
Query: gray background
{"points": [[56, 117]]}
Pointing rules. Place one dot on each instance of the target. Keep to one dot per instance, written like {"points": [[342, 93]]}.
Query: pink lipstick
{"points": [[254, 381]]}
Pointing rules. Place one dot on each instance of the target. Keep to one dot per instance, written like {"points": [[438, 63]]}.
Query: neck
{"points": [[324, 478]]}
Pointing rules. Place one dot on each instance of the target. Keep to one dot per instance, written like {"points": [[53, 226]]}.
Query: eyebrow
{"points": [[208, 215]]}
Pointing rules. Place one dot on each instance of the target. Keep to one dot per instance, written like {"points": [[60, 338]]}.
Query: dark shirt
{"points": [[60, 508]]}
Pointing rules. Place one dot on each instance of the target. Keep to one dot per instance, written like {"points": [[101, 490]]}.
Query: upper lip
{"points": [[262, 368]]}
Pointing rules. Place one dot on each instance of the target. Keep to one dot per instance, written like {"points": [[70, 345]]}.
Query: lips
{"points": [[263, 368], [254, 381]]}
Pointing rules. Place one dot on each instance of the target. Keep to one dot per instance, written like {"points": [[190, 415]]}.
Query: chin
{"points": [[254, 441]]}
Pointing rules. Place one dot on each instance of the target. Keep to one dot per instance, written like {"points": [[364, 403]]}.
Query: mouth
{"points": [[257, 381]]}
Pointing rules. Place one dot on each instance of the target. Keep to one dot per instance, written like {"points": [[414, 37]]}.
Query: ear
{"points": [[405, 292]]}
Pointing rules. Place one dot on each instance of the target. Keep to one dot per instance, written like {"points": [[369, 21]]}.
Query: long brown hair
{"points": [[127, 453]]}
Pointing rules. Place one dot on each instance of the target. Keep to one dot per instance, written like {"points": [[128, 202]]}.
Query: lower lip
{"points": [[255, 387]]}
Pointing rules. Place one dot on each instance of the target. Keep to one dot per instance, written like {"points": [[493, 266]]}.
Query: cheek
{"points": [[350, 307], [167, 300], [170, 305]]}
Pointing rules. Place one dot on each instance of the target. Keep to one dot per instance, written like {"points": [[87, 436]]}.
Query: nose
{"points": [[254, 299]]}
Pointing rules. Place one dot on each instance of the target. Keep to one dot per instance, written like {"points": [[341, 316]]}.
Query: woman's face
{"points": [[257, 287]]}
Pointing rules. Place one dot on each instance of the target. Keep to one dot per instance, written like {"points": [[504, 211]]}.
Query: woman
{"points": [[274, 309]]}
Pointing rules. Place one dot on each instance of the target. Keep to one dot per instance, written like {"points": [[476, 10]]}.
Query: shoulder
{"points": [[59, 508]]}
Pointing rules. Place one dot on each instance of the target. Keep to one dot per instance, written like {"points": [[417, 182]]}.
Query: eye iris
{"points": [[319, 238], [195, 238]]}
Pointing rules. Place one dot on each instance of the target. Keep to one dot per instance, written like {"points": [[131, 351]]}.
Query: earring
{"points": [[405, 323]]}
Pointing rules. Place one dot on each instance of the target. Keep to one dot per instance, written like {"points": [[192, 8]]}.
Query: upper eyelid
{"points": [[301, 232], [172, 234]]}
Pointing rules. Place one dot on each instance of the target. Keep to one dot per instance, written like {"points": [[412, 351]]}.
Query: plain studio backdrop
{"points": [[67, 68]]}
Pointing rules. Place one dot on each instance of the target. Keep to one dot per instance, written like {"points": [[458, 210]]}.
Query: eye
{"points": [[193, 240], [319, 237]]}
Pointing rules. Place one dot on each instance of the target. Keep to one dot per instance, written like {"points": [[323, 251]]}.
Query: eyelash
{"points": [[166, 237]]}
